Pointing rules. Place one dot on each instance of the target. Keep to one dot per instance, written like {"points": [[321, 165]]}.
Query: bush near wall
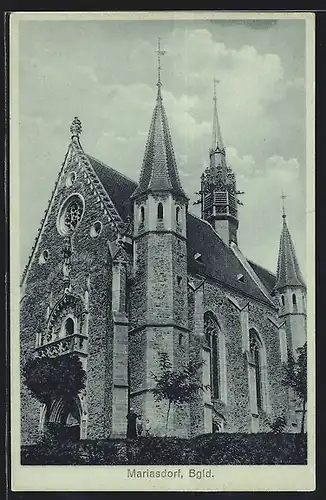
{"points": [[212, 449]]}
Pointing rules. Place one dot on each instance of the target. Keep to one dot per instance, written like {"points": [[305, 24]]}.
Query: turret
{"points": [[290, 289], [159, 292]]}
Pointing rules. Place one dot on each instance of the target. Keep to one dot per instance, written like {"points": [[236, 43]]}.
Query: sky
{"points": [[105, 73]]}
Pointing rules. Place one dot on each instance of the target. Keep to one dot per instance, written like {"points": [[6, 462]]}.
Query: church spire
{"points": [[218, 192], [159, 170], [217, 142], [288, 270]]}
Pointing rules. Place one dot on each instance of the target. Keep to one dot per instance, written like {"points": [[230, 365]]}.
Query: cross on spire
{"points": [[159, 53], [283, 196]]}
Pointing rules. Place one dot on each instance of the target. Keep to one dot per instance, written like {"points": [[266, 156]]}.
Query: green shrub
{"points": [[210, 449]]}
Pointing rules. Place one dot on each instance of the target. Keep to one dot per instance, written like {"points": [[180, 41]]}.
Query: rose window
{"points": [[70, 214], [73, 215]]}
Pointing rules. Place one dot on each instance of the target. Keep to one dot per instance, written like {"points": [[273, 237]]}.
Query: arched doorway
{"points": [[63, 419]]}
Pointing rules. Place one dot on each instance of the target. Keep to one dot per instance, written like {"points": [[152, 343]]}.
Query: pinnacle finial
{"points": [[283, 196], [76, 127], [217, 142], [159, 67]]}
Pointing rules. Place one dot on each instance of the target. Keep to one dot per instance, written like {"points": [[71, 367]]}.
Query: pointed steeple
{"points": [[217, 142], [159, 170], [288, 270], [219, 195]]}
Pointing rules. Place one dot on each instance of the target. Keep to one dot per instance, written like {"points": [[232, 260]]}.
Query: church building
{"points": [[121, 271]]}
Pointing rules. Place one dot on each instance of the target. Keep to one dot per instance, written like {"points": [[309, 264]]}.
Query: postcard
{"points": [[162, 251]]}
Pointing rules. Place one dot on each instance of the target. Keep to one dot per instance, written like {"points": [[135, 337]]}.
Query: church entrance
{"points": [[63, 422]]}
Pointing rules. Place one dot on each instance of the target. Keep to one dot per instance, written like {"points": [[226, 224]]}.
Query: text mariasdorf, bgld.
{"points": [[198, 473]]}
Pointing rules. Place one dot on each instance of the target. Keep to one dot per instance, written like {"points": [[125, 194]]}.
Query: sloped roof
{"points": [[217, 260], [118, 186], [288, 270], [159, 170], [266, 277]]}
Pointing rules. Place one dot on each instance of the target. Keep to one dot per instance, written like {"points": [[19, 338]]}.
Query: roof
{"points": [[159, 170], [217, 259], [118, 186], [288, 270], [266, 277]]}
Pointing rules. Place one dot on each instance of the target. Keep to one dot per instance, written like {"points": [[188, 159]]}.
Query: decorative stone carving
{"points": [[75, 343]]}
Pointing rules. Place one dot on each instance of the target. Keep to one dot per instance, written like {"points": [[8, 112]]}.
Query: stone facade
{"points": [[120, 273]]}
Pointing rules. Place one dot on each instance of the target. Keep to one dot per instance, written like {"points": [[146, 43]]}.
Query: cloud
{"points": [[256, 24], [110, 85]]}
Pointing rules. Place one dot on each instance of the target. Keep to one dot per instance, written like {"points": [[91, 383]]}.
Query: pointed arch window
{"points": [[211, 337], [69, 326], [160, 211], [256, 363], [142, 215], [177, 215], [294, 299]]}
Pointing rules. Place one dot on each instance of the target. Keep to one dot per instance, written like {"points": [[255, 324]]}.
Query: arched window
{"points": [[69, 326], [142, 215], [283, 301], [177, 215], [294, 299], [255, 355], [211, 336], [160, 211]]}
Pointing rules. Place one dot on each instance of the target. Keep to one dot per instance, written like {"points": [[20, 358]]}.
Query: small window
{"points": [[96, 229], [69, 326], [177, 215], [160, 211], [71, 179], [179, 279], [142, 215], [294, 299], [44, 257], [198, 257], [180, 338], [282, 299]]}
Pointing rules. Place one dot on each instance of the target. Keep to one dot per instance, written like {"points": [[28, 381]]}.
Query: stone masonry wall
{"points": [[158, 296], [237, 411], [91, 269]]}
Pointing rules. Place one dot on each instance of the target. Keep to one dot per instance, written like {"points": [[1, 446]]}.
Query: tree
{"points": [[177, 386], [54, 378], [296, 377]]}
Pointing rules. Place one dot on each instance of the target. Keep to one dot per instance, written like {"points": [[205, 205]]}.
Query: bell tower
{"points": [[218, 193], [159, 290]]}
